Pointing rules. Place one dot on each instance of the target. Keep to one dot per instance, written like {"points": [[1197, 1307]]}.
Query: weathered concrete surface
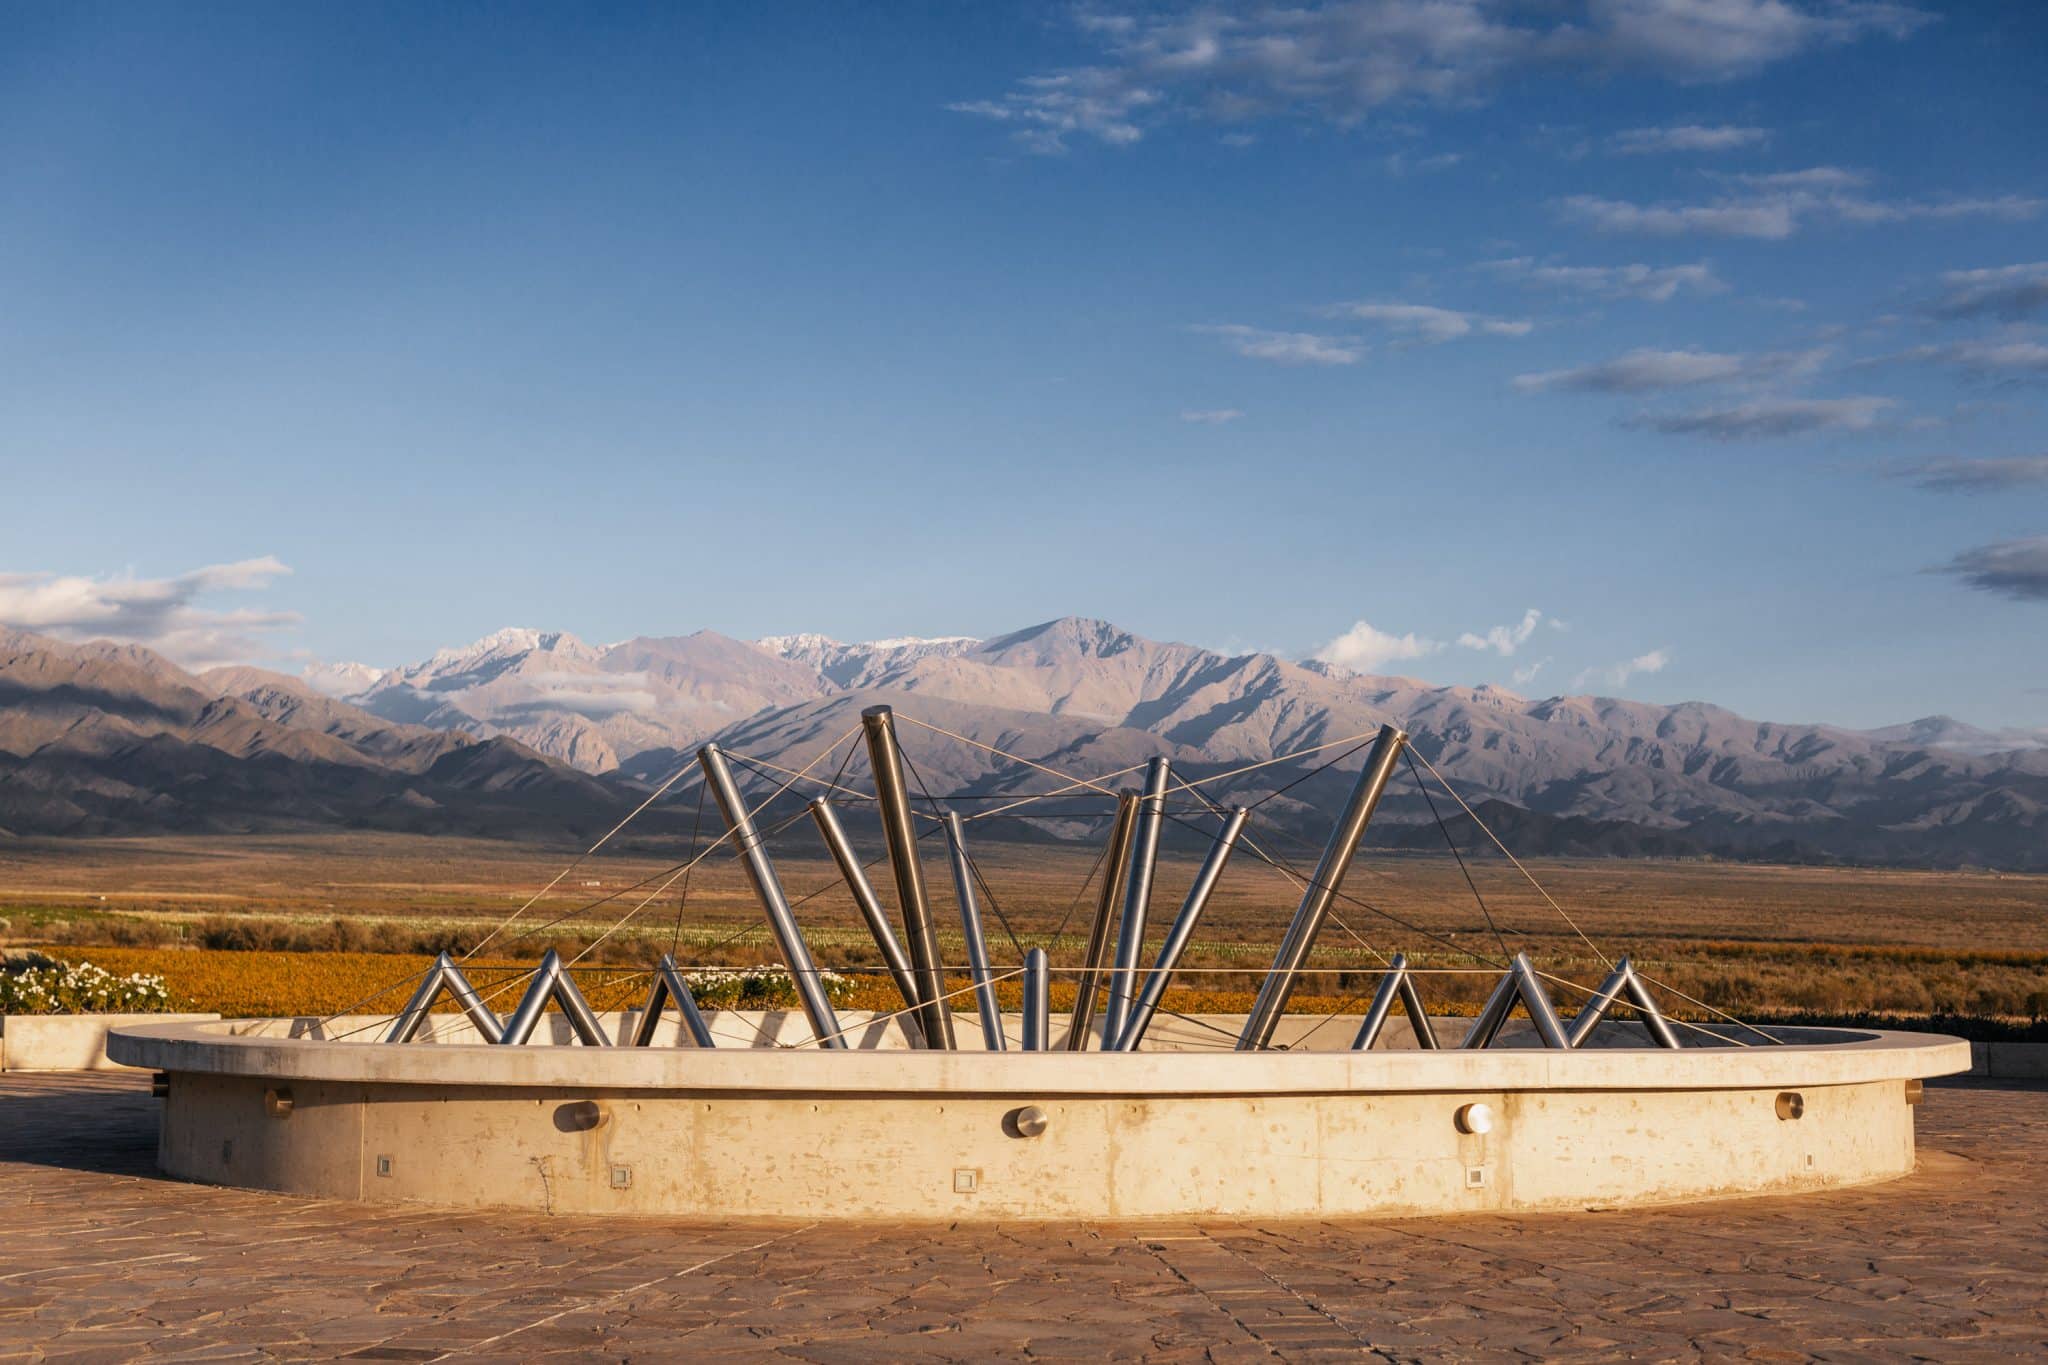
{"points": [[105, 1261], [69, 1042], [895, 1134]]}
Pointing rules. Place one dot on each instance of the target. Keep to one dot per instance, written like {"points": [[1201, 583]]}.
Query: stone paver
{"points": [[102, 1260]]}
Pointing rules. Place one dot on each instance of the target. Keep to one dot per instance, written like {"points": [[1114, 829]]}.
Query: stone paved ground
{"points": [[102, 1260]]}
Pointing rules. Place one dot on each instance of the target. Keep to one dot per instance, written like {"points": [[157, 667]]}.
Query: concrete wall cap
{"points": [[1860, 1056]]}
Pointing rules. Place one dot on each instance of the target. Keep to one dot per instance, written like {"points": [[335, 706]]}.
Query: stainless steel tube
{"points": [[1596, 1008], [1418, 1015], [977, 944], [1646, 1005], [444, 975], [581, 1017], [1130, 939], [826, 815], [1322, 891], [1536, 999], [1147, 1004], [669, 985], [1520, 981], [1493, 1013], [789, 940], [520, 1026], [1089, 982], [1383, 997], [899, 831], [1037, 1001]]}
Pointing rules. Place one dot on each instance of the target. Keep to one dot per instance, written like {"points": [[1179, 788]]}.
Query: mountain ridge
{"points": [[597, 724]]}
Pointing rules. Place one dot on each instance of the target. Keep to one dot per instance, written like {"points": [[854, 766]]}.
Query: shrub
{"points": [[79, 988], [753, 988]]}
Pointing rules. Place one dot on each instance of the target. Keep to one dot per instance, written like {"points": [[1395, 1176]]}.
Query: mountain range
{"points": [[526, 727]]}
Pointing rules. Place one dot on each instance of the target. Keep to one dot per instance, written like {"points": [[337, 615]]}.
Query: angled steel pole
{"points": [[810, 990], [1622, 980], [1596, 1008], [885, 758], [668, 986], [1322, 891], [1130, 939], [1646, 1006], [445, 975], [827, 817], [977, 942], [551, 981], [1098, 931], [1399, 985], [1037, 1001], [1140, 1017], [1520, 982]]}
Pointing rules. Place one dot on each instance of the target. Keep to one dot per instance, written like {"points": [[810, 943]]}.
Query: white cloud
{"points": [[1775, 205], [1689, 137], [1954, 474], [1617, 675], [1286, 348], [1504, 640], [2015, 357], [2008, 291], [1646, 371], [1653, 284], [1364, 649], [1429, 324], [1525, 675], [160, 613], [1339, 63], [1211, 417], [1767, 417]]}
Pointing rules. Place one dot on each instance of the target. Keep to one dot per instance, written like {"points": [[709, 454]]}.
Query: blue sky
{"points": [[1712, 331]]}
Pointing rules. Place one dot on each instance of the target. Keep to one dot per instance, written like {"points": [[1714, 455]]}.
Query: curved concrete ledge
{"points": [[799, 1133]]}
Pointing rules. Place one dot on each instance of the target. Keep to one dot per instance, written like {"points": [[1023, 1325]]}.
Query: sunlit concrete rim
{"points": [[1861, 1056]]}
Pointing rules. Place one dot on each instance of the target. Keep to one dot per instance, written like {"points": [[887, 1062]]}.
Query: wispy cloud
{"points": [[1425, 323], [2004, 358], [1647, 371], [1527, 673], [1955, 474], [1687, 137], [1285, 348], [161, 613], [1211, 417], [2011, 568], [1771, 417], [1775, 205], [1618, 675], [1365, 649], [2011, 292], [1504, 640], [1654, 284], [1407, 163], [1340, 63]]}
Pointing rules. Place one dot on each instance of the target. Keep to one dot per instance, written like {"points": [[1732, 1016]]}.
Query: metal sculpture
{"points": [[1115, 942]]}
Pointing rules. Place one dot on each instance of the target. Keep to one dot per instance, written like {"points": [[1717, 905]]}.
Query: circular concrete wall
{"points": [[800, 1133]]}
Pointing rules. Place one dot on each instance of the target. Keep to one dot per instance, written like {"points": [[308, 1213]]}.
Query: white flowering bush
{"points": [[757, 988], [53, 987]]}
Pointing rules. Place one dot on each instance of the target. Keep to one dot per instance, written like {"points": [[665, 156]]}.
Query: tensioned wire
{"points": [[580, 858], [1072, 783]]}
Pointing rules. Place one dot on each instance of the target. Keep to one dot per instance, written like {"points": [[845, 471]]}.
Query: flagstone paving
{"points": [[103, 1260]]}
